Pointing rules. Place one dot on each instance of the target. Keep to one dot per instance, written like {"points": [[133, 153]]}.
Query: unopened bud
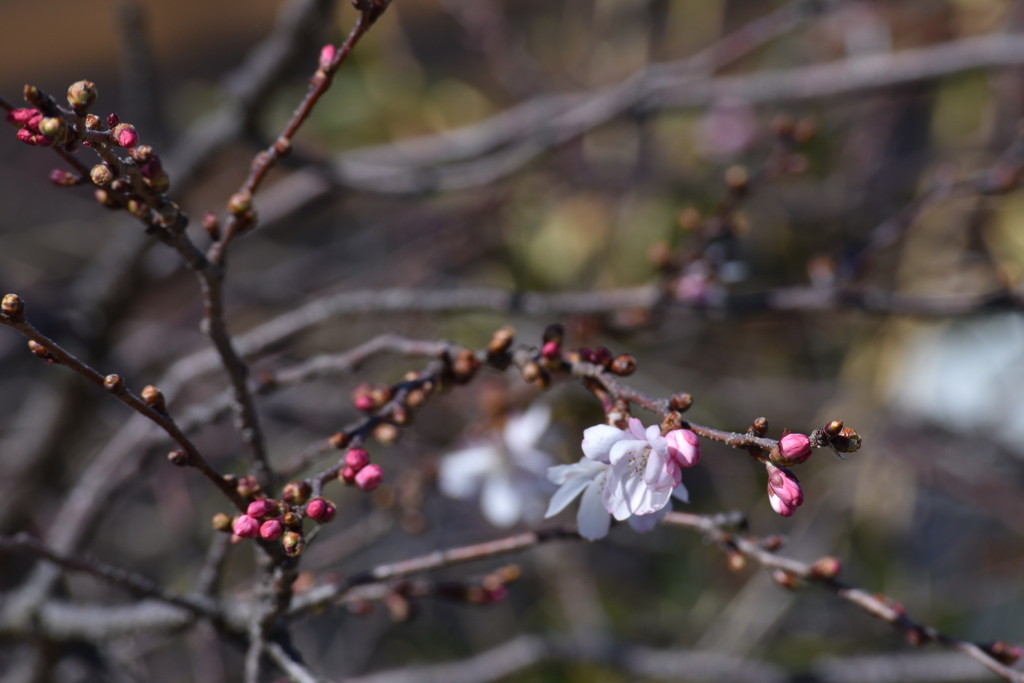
{"points": [[153, 398], [246, 526], [143, 154], [316, 507], [399, 608], [248, 486], [293, 544], [40, 351], [465, 365], [737, 561], [62, 178], [292, 521], [92, 122], [759, 427], [101, 175], [271, 530], [211, 225], [347, 476], [736, 177], [531, 371], [786, 580], [339, 440], [501, 341], [138, 208], [13, 306], [772, 543], [114, 384], [833, 428], [261, 508], [329, 514], [680, 402], [326, 57], [240, 202], [222, 522], [415, 398], [82, 95], [53, 126], [623, 365], [296, 492], [357, 459], [826, 568], [386, 434], [848, 441], [178, 458], [124, 134], [105, 199], [369, 478]]}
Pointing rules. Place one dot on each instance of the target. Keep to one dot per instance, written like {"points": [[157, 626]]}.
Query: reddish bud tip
{"points": [[271, 530], [357, 459], [62, 178], [365, 404], [124, 134], [113, 120], [316, 507], [261, 508], [826, 568], [327, 57], [369, 478], [347, 476], [293, 544], [246, 526]]}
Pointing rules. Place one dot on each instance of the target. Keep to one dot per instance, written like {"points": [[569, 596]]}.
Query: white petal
{"points": [[584, 468], [500, 502], [565, 495], [614, 496], [681, 493], [598, 441], [644, 523], [532, 460], [522, 432], [636, 428], [656, 473], [623, 450], [592, 519], [460, 473]]}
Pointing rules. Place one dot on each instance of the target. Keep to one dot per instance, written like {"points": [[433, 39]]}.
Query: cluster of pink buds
{"points": [[36, 129], [368, 398], [359, 471]]}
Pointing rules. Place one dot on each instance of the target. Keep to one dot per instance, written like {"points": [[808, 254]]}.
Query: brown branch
{"points": [[119, 391], [878, 606]]}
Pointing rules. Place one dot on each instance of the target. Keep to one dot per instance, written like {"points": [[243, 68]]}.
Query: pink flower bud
{"points": [[271, 530], [316, 508], [261, 508], [246, 527], [369, 478], [348, 476], [683, 447], [357, 459], [794, 448], [326, 57], [29, 138], [124, 134], [61, 178], [784, 492], [551, 350], [21, 117], [113, 120], [153, 168], [365, 403], [329, 513]]}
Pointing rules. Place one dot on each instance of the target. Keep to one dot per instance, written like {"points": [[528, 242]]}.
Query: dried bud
{"points": [[326, 57], [465, 365], [316, 508], [623, 365], [82, 95], [92, 122], [211, 225], [293, 544], [357, 459], [114, 384], [248, 487], [848, 441], [531, 371], [601, 356], [62, 178], [271, 530], [152, 397], [296, 492], [786, 580], [246, 527], [240, 202], [737, 561], [501, 341], [101, 175], [369, 478], [759, 427], [826, 568], [339, 439], [222, 522], [178, 458], [680, 402], [13, 306], [554, 333], [124, 134], [292, 521], [261, 508], [673, 420], [386, 434]]}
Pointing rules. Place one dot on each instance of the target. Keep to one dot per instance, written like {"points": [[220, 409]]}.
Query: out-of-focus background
{"points": [[930, 511]]}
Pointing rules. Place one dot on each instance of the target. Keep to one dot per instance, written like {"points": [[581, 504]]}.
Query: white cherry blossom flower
{"points": [[507, 471], [629, 474]]}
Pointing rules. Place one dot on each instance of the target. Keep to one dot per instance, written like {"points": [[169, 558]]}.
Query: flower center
{"points": [[638, 463]]}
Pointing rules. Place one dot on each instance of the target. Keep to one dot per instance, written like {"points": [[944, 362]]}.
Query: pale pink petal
{"points": [[681, 493], [584, 468], [624, 450], [566, 494], [684, 446], [636, 428], [592, 518], [598, 441]]}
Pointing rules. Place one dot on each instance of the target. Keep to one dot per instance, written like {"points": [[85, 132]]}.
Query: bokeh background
{"points": [[930, 511]]}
